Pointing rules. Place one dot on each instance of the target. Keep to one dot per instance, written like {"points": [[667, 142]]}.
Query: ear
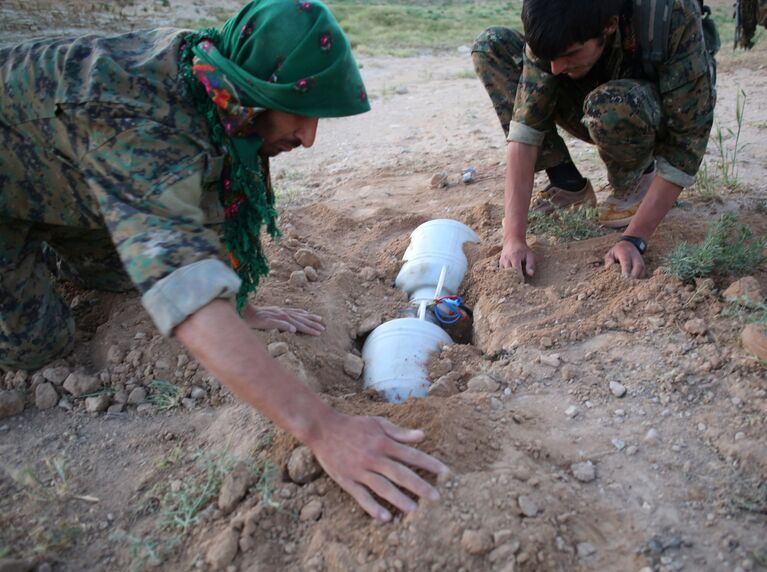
{"points": [[612, 25]]}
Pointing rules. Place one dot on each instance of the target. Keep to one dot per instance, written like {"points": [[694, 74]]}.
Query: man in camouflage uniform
{"points": [[106, 168], [581, 70]]}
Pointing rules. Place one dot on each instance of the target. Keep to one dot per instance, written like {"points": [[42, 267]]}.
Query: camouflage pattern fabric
{"points": [[103, 171], [674, 112]]}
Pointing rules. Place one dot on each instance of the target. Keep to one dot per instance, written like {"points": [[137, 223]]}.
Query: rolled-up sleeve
{"points": [[687, 96], [149, 185], [535, 102]]}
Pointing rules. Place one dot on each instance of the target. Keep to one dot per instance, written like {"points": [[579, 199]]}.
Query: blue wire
{"points": [[454, 304]]}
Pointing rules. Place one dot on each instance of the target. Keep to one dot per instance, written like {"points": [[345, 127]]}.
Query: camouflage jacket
{"points": [[121, 147], [685, 87]]}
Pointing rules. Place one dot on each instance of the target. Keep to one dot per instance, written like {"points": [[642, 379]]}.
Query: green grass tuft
{"points": [[728, 249], [165, 395], [567, 224]]}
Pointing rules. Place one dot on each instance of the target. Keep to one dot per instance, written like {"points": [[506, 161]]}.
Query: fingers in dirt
{"points": [[367, 502], [402, 476], [387, 491]]}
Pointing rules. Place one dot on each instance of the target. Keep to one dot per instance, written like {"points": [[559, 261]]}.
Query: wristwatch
{"points": [[640, 244]]}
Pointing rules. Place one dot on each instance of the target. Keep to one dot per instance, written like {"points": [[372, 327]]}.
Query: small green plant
{"points": [[44, 488], [165, 395], [706, 186], [146, 551], [728, 249], [727, 161], [567, 224], [747, 311]]}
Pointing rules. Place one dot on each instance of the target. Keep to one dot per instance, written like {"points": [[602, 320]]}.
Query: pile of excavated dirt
{"points": [[593, 422]]}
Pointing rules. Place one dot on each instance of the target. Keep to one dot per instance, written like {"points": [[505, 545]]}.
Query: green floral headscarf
{"points": [[286, 55]]}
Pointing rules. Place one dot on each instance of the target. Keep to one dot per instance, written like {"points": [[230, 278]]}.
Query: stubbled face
{"points": [[579, 59], [283, 132]]}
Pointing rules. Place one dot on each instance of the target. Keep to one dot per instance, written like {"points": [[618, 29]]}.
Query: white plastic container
{"points": [[434, 245], [395, 356]]}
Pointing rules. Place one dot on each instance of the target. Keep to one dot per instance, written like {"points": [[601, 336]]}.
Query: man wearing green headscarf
{"points": [[114, 153]]}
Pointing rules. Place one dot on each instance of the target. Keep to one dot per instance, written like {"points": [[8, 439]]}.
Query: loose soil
{"points": [[680, 459]]}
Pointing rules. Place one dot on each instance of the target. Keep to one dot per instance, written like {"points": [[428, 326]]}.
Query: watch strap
{"points": [[640, 244]]}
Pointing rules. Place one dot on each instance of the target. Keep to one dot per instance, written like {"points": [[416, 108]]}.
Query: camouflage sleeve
{"points": [[148, 182], [687, 96], [535, 103]]}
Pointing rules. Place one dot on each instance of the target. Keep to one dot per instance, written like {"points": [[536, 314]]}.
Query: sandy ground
{"points": [[552, 469]]}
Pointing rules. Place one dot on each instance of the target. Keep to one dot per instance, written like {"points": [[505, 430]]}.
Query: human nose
{"points": [[558, 66], [308, 132]]}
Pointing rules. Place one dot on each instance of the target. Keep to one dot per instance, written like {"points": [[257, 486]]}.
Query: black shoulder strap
{"points": [[651, 22]]}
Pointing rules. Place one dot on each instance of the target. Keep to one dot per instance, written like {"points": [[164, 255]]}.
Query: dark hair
{"points": [[552, 26]]}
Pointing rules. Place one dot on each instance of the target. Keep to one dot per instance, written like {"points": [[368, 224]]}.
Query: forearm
{"points": [[227, 347], [518, 188], [655, 206]]}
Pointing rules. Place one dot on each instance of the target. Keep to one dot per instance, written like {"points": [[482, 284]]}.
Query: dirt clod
{"points": [[79, 384], [306, 257], [353, 366], [477, 542], [234, 487], [302, 466], [311, 511], [223, 549], [584, 472]]}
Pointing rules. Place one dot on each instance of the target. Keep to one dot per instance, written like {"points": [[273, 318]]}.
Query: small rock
{"points": [[744, 290], [445, 386], [482, 384], [503, 553], [477, 542], [188, 403], [369, 324], [618, 444], [97, 403], [740, 435], [223, 549], [298, 279], [368, 274], [56, 375], [617, 389], [585, 549], [162, 365], [65, 404], [198, 393], [278, 348], [305, 257], [438, 180], [302, 466], [311, 274], [652, 436], [234, 487], [754, 339], [312, 511], [137, 396], [550, 360], [145, 408], [11, 403], [80, 384], [46, 396], [571, 411], [584, 472], [695, 327], [546, 342], [115, 354], [353, 366], [653, 309], [527, 506], [116, 408]]}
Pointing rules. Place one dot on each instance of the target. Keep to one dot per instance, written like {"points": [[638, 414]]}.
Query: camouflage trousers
{"points": [[36, 324], [621, 117]]}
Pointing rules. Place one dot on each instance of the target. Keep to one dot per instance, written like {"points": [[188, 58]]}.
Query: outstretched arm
{"points": [[518, 189], [362, 454], [655, 206]]}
